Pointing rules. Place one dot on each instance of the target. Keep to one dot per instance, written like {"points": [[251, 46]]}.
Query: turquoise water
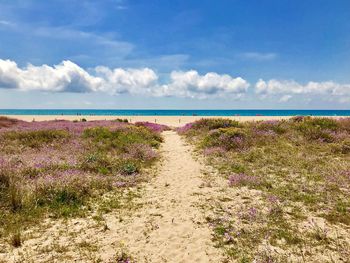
{"points": [[178, 112]]}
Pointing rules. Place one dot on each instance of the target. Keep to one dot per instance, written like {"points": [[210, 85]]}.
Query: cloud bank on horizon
{"points": [[71, 78]]}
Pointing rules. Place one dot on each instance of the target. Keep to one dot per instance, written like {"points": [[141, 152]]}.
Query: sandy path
{"points": [[171, 227], [168, 227]]}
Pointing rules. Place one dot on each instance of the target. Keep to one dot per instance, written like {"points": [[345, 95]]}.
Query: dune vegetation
{"points": [[60, 169], [285, 187], [272, 191]]}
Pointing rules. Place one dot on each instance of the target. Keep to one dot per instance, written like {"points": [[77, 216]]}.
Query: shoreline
{"points": [[174, 121]]}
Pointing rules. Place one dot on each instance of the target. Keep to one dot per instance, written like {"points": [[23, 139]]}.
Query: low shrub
{"points": [[322, 123], [128, 167], [34, 139], [88, 160], [212, 124], [121, 120], [303, 163], [276, 126], [153, 126], [120, 139], [16, 239], [7, 122], [228, 138], [96, 162], [243, 180], [140, 151]]}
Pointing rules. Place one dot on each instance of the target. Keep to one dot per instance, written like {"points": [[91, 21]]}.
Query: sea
{"points": [[148, 112]]}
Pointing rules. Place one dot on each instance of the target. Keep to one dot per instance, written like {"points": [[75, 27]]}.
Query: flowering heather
{"points": [[250, 215], [8, 122], [270, 122], [227, 138], [123, 257], [272, 199], [59, 166], [243, 179], [230, 141], [153, 126], [264, 133], [212, 124], [341, 179], [72, 127], [185, 128], [214, 151], [303, 167], [140, 151]]}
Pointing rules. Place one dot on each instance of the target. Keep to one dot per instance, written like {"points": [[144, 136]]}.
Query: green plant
{"points": [[35, 139], [16, 239], [129, 167]]}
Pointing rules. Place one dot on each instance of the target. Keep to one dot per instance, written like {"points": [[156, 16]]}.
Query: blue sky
{"points": [[175, 54]]}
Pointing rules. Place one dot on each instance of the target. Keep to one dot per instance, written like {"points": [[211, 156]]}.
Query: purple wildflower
{"points": [[228, 237], [153, 126], [185, 128], [140, 151], [214, 151], [242, 179]]}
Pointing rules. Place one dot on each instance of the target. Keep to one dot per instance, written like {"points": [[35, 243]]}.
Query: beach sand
{"points": [[170, 225], [174, 121]]}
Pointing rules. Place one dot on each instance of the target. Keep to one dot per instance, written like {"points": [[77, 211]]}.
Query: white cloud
{"points": [[6, 23], [83, 38], [285, 98], [191, 84], [66, 76], [274, 86], [133, 81], [69, 77], [258, 56]]}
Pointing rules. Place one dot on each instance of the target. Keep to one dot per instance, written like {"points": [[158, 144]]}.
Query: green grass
{"points": [[107, 161], [34, 139], [303, 163]]}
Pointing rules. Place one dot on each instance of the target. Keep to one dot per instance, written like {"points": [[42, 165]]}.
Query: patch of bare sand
{"points": [[169, 227]]}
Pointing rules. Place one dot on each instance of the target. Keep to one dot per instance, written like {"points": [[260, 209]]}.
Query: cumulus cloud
{"points": [[133, 81], [273, 87], [69, 77], [66, 76], [192, 84]]}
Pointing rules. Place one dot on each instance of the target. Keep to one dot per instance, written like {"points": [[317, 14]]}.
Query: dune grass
{"points": [[288, 187], [62, 169]]}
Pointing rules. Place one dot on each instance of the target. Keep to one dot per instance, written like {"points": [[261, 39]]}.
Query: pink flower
{"points": [[243, 179]]}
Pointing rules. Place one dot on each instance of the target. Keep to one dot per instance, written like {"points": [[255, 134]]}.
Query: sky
{"points": [[179, 54]]}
